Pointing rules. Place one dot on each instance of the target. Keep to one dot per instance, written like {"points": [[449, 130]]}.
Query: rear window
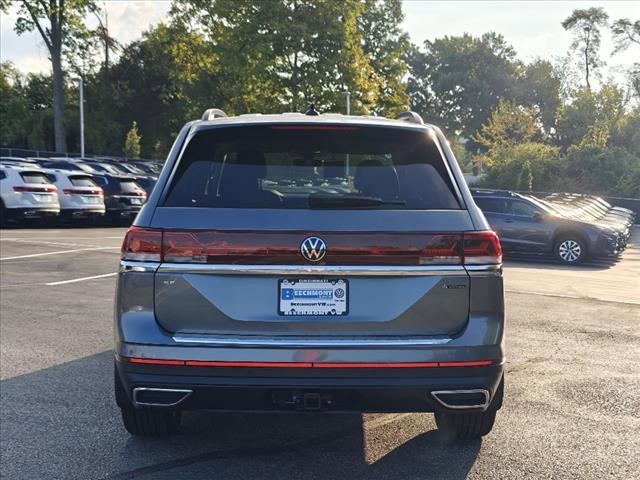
{"points": [[81, 181], [312, 166], [34, 177], [129, 186]]}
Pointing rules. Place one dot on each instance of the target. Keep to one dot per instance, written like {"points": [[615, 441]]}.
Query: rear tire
{"points": [[151, 423], [457, 427], [465, 426], [570, 250]]}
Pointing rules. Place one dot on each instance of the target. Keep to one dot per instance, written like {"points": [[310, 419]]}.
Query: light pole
{"points": [[81, 85]]}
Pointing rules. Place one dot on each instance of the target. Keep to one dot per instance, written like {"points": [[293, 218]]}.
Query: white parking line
{"points": [[82, 279], [44, 242], [58, 252]]}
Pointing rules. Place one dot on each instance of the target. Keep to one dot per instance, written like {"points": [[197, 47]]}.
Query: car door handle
{"points": [[508, 220]]}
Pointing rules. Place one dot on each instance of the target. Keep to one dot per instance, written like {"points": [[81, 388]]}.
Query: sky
{"points": [[532, 27]]}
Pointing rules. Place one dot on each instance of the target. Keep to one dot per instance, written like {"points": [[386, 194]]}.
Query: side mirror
{"points": [[538, 217]]}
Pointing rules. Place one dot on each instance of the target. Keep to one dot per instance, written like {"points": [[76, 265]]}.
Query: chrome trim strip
{"points": [[222, 341], [484, 270], [334, 270], [483, 405], [130, 266], [186, 395]]}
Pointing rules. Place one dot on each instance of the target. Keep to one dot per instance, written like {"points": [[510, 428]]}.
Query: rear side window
{"points": [[34, 177], [491, 205], [82, 181], [312, 166]]}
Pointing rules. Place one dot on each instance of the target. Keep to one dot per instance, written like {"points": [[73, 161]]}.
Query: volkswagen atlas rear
{"points": [[310, 264]]}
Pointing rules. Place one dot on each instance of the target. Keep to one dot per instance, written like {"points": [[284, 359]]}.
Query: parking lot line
{"points": [[45, 242], [58, 252], [81, 279]]}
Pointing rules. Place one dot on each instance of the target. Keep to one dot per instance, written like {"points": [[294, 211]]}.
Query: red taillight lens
{"points": [[35, 189], [142, 245], [273, 248], [345, 249], [482, 248], [72, 191]]}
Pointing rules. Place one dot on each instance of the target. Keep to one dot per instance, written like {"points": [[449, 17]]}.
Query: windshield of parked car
{"points": [[312, 166]]}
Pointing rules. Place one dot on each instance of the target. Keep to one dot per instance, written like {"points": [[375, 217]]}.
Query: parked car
{"points": [[145, 181], [26, 192], [243, 288], [77, 166], [123, 197], [527, 224], [79, 194]]}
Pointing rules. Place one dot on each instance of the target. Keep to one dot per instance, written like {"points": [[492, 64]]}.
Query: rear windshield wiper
{"points": [[335, 201]]}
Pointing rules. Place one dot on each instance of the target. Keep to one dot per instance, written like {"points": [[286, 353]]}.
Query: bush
{"points": [[528, 166]]}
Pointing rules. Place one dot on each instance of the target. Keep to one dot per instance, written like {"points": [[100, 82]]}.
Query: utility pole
{"points": [[81, 84]]}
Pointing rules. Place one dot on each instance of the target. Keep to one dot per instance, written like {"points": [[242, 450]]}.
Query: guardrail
{"points": [[23, 153]]}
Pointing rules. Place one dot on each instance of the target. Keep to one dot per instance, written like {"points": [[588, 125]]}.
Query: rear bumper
{"points": [[32, 212], [82, 212], [302, 389]]}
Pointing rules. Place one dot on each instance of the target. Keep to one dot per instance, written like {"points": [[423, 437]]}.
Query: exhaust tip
{"points": [[462, 399], [159, 397]]}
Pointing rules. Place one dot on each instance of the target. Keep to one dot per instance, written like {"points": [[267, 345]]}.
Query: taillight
{"points": [[142, 245], [283, 248], [137, 193], [35, 189], [275, 248], [482, 248], [72, 191]]}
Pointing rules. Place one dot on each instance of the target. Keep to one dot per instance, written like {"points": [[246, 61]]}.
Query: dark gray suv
{"points": [[310, 263]]}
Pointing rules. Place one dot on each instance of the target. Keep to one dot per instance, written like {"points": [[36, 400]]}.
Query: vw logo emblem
{"points": [[313, 249]]}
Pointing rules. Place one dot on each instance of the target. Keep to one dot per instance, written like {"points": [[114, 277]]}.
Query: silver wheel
{"points": [[569, 251]]}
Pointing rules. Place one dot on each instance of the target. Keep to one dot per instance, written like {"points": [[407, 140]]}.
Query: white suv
{"points": [[79, 194], [26, 192]]}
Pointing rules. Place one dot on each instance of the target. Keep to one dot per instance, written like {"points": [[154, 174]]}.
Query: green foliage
{"points": [[132, 143], [525, 166], [285, 54], [592, 117], [508, 125], [457, 81]]}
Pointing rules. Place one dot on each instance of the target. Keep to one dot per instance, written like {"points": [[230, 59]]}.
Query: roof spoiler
{"points": [[411, 117], [212, 113]]}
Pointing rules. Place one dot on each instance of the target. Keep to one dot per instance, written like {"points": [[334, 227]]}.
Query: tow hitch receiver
{"points": [[301, 400]]}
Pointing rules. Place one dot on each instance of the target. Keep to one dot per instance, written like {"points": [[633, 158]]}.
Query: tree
{"points": [[626, 34], [285, 54], [132, 142], [508, 125], [585, 24], [538, 86], [591, 117], [60, 25], [385, 44], [457, 81]]}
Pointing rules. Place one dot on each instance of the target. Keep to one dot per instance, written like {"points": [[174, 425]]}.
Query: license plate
{"points": [[87, 199], [43, 197], [313, 297], [136, 201]]}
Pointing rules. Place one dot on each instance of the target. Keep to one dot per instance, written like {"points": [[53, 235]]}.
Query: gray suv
{"points": [[310, 263]]}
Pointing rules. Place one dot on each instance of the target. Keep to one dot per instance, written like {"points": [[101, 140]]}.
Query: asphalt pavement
{"points": [[572, 400]]}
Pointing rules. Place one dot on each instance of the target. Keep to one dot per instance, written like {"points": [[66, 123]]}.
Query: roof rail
{"points": [[212, 113], [411, 117]]}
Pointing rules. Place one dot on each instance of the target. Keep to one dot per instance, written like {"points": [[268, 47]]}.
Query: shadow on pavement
{"points": [[62, 422]]}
